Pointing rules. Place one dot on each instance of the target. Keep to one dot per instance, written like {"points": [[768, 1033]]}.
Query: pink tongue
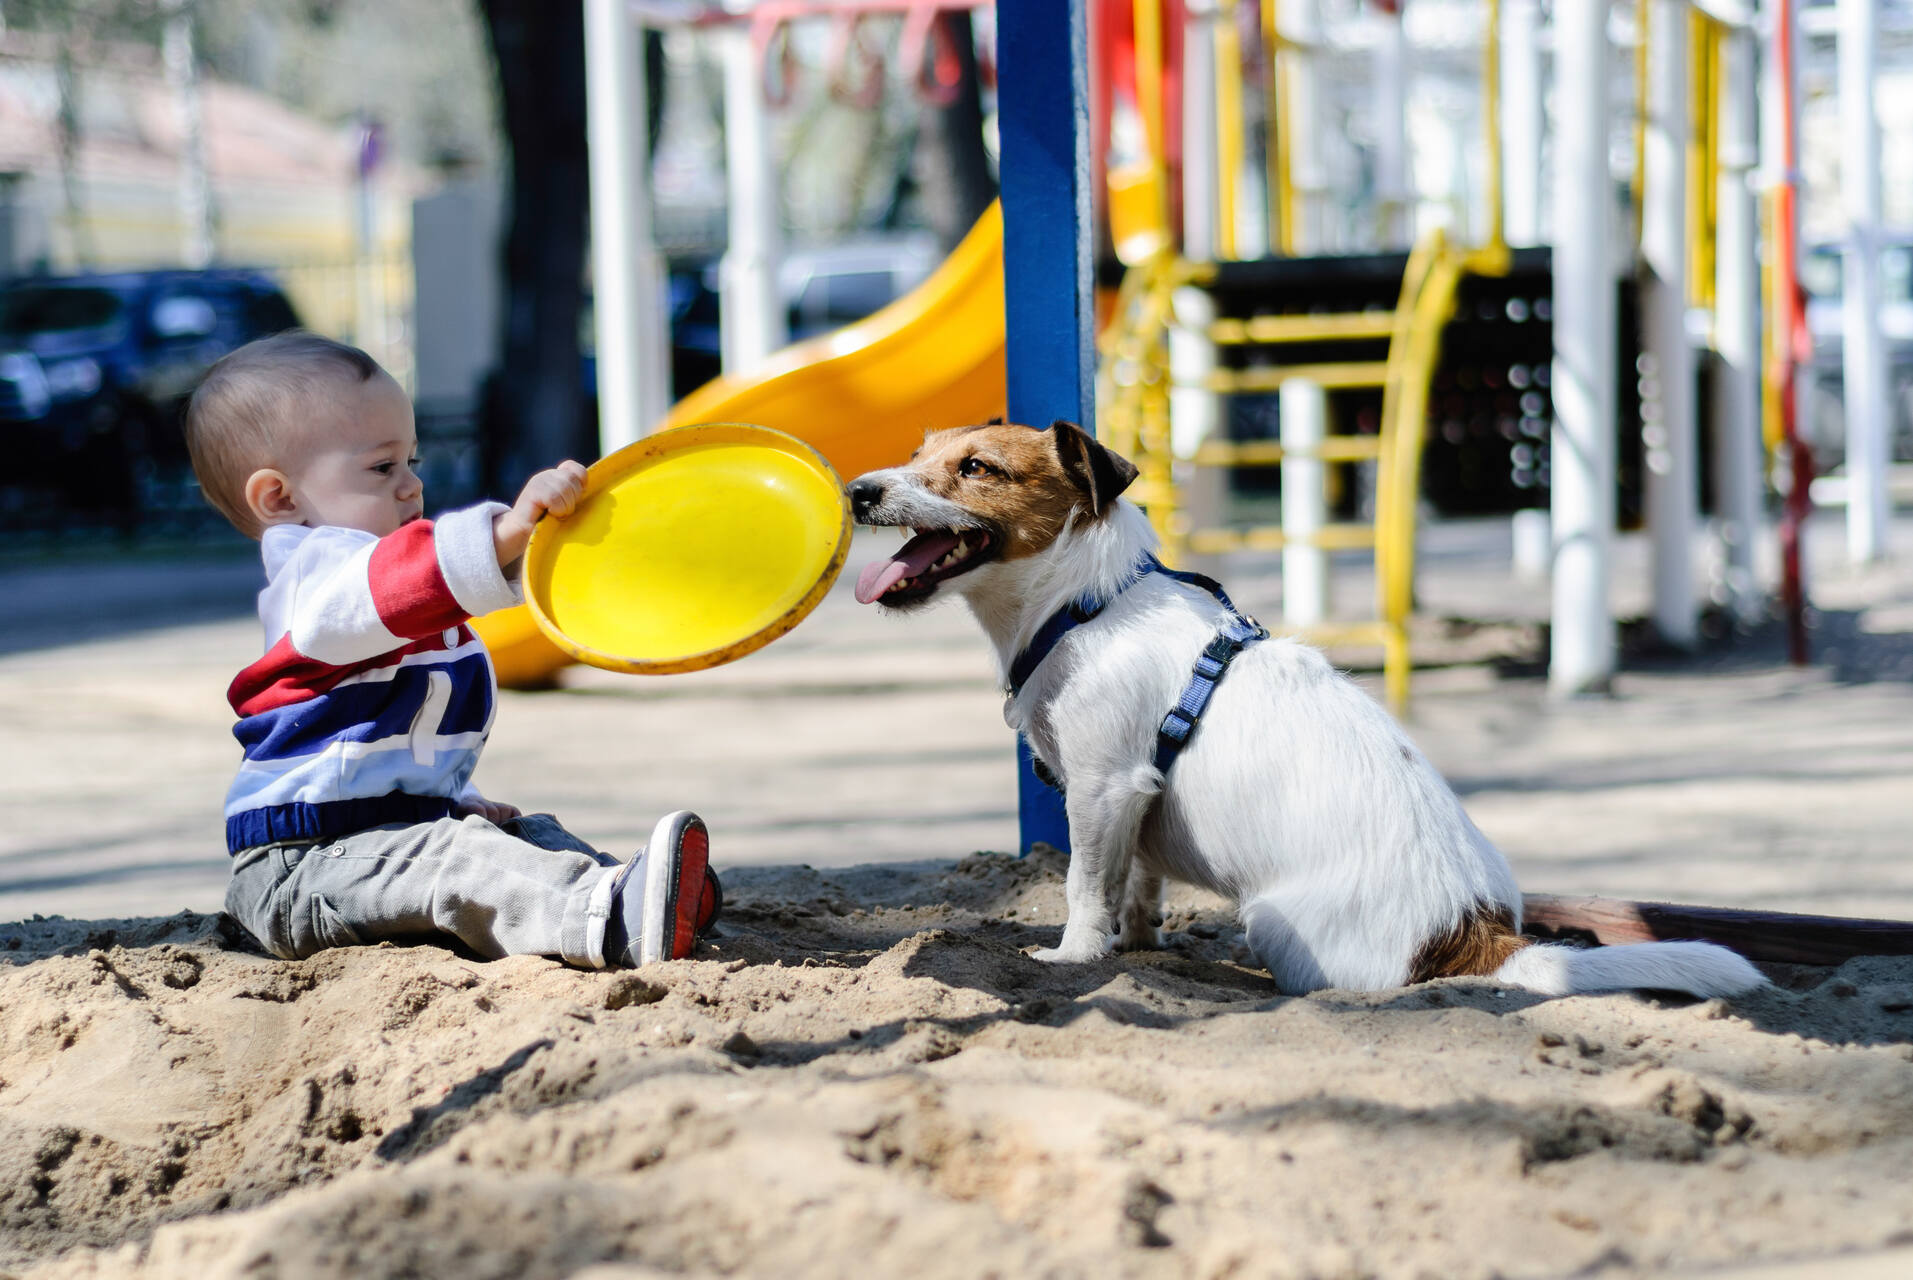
{"points": [[917, 555]]}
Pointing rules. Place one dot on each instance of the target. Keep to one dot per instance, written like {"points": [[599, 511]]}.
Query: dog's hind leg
{"points": [[1139, 923], [1305, 936], [1104, 826]]}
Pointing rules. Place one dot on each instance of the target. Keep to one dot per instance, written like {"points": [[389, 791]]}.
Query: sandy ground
{"points": [[863, 1071], [866, 1072]]}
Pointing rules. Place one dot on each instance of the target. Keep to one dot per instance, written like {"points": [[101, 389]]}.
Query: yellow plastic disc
{"points": [[692, 547]]}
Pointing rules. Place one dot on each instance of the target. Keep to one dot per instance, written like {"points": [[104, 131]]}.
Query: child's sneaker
{"points": [[712, 907], [665, 897]]}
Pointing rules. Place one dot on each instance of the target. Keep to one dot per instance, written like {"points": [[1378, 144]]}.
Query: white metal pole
{"points": [[1305, 577], [1863, 370], [1195, 412], [1582, 645], [1299, 23], [1736, 420], [1303, 406], [1394, 227], [1531, 544], [633, 331], [1201, 163], [1521, 121], [1668, 436], [752, 323]]}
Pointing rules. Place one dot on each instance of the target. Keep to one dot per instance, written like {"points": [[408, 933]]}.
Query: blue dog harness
{"points": [[1237, 633]]}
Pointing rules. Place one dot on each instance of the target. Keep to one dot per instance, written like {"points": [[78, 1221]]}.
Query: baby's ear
{"points": [[1100, 472], [270, 498]]}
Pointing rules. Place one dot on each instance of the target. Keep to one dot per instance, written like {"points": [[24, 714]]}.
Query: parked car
{"points": [[823, 287], [1821, 270], [94, 370], [830, 286]]}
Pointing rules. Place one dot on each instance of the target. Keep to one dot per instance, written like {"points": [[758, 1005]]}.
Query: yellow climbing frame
{"points": [[1134, 380], [1135, 422]]}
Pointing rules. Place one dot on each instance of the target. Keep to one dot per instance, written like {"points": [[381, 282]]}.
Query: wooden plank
{"points": [[1758, 935]]}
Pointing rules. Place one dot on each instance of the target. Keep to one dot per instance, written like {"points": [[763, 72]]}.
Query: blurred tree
{"points": [[80, 25], [535, 411], [533, 414], [421, 68]]}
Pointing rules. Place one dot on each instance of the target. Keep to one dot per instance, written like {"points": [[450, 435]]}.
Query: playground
{"points": [[865, 1061], [1653, 674]]}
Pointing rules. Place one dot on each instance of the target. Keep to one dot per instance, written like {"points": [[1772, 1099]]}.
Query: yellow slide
{"points": [[862, 397]]}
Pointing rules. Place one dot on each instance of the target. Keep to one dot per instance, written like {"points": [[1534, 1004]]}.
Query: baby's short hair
{"points": [[246, 406]]}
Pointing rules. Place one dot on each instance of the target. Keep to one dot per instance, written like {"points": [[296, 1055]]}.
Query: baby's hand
{"points": [[491, 811], [555, 492]]}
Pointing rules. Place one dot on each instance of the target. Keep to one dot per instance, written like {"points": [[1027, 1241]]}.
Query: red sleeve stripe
{"points": [[285, 676], [408, 588]]}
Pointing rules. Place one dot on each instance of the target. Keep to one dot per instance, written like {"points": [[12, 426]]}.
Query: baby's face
{"points": [[354, 466]]}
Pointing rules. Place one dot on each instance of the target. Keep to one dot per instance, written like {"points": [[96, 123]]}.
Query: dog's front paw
{"points": [[1069, 953]]}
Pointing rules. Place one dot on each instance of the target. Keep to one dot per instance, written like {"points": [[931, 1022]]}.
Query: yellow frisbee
{"points": [[692, 547]]}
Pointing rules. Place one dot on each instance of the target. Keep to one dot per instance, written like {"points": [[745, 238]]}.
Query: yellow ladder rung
{"points": [[1346, 373], [1269, 537], [1343, 327], [1270, 453]]}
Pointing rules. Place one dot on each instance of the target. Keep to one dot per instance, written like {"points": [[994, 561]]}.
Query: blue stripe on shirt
{"points": [[368, 710]]}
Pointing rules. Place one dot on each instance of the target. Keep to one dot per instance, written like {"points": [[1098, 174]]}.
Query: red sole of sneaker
{"points": [[711, 903], [688, 900]]}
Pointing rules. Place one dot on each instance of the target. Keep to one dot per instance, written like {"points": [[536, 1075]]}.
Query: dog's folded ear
{"points": [[1100, 472]]}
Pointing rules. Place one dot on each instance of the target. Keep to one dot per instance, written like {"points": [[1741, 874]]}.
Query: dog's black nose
{"points": [[865, 493]]}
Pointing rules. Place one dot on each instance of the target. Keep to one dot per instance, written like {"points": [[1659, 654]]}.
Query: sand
{"points": [[864, 1074]]}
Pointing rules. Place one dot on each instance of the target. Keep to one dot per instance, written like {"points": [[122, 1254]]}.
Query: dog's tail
{"points": [[1700, 968]]}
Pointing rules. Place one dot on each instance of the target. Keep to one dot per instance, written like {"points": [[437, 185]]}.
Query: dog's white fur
{"points": [[1298, 797]]}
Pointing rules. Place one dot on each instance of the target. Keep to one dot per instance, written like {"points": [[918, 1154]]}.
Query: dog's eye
{"points": [[971, 468]]}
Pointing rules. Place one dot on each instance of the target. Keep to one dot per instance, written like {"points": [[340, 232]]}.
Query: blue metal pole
{"points": [[1042, 58]]}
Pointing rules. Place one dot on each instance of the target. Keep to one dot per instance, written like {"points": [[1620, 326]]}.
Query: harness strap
{"points": [[1235, 635], [1049, 635]]}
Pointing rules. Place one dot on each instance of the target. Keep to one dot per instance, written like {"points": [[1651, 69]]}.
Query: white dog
{"points": [[1297, 797]]}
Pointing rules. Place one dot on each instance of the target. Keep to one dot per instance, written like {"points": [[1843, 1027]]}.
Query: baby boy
{"points": [[354, 818]]}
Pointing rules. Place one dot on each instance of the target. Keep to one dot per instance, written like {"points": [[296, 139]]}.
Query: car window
{"points": [[184, 315], [53, 309], [855, 294]]}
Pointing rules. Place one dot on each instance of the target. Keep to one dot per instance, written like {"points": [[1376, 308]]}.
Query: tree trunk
{"points": [[534, 412]]}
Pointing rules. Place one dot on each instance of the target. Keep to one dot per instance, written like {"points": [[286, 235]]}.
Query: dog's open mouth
{"points": [[932, 557]]}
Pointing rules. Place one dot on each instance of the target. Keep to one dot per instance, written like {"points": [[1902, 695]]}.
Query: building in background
{"points": [[286, 191]]}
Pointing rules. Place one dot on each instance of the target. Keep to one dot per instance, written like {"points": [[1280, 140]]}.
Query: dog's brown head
{"points": [[976, 495]]}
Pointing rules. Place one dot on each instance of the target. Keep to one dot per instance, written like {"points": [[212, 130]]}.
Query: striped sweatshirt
{"points": [[374, 698]]}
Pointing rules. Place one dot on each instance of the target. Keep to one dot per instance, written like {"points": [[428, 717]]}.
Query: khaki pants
{"points": [[528, 887]]}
